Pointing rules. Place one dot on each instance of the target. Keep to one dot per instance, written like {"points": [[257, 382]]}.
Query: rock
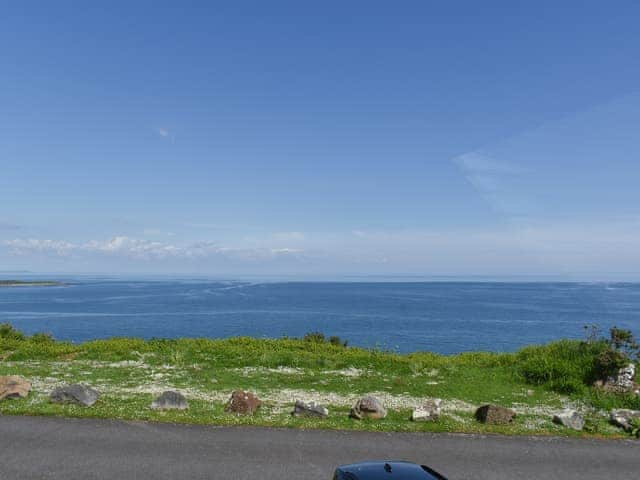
{"points": [[13, 386], [170, 400], [623, 418], [76, 393], [429, 411], [368, 407], [570, 419], [623, 382], [243, 403], [310, 409], [495, 415]]}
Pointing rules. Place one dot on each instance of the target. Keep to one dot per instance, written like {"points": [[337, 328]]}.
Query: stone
{"points": [[170, 400], [76, 393], [13, 386], [429, 411], [623, 382], [570, 419], [368, 407], [622, 418], [311, 409], [495, 415], [243, 403]]}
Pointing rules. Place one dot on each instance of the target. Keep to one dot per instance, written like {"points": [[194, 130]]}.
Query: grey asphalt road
{"points": [[54, 448]]}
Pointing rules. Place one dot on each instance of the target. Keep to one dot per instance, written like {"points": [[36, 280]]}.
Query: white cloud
{"points": [[476, 162], [163, 132], [25, 246], [545, 248], [488, 175], [288, 236], [141, 249], [156, 232]]}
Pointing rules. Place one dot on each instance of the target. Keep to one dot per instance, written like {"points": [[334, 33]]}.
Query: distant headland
{"points": [[30, 283]]}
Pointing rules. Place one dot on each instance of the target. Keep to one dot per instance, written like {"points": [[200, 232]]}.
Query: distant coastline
{"points": [[30, 283]]}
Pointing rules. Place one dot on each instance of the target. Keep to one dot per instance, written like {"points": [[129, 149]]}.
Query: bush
{"points": [[621, 349], [609, 362], [314, 337], [9, 332], [569, 366], [335, 340], [319, 337], [566, 366], [41, 338]]}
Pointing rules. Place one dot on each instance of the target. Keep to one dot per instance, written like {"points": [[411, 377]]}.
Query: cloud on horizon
{"points": [[560, 248], [140, 249]]}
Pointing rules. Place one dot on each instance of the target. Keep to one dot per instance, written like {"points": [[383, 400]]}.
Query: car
{"points": [[386, 470]]}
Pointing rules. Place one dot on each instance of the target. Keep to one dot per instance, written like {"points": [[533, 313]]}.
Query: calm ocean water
{"points": [[442, 317]]}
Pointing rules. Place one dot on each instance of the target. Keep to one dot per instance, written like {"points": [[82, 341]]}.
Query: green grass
{"points": [[129, 372]]}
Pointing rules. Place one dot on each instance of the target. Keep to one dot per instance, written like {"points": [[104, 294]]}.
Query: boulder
{"points": [[495, 415], [13, 386], [368, 407], [570, 419], [622, 418], [623, 382], [429, 411], [170, 400], [243, 403], [311, 409], [76, 393]]}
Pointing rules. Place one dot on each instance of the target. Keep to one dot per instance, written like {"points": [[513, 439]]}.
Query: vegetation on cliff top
{"points": [[536, 381]]}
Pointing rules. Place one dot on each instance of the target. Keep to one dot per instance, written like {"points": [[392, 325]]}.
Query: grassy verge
{"points": [[130, 372]]}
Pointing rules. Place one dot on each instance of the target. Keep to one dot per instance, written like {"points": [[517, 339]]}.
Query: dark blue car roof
{"points": [[388, 470]]}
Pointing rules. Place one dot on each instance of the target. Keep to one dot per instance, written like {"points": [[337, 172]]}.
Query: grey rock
{"points": [[429, 411], [170, 400], [570, 419], [623, 417], [311, 409], [623, 382], [76, 393], [368, 407]]}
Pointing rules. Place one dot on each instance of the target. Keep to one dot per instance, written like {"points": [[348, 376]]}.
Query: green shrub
{"points": [[621, 349], [569, 366], [566, 366], [314, 337], [41, 338], [9, 332], [319, 337], [624, 342], [335, 340]]}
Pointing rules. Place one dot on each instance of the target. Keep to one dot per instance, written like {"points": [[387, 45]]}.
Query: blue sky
{"points": [[327, 138]]}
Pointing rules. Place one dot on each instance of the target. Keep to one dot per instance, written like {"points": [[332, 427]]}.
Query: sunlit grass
{"points": [[129, 372]]}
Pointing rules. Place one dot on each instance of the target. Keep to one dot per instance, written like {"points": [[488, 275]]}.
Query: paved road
{"points": [[52, 448]]}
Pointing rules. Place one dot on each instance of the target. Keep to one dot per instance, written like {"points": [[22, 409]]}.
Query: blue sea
{"points": [[445, 317]]}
